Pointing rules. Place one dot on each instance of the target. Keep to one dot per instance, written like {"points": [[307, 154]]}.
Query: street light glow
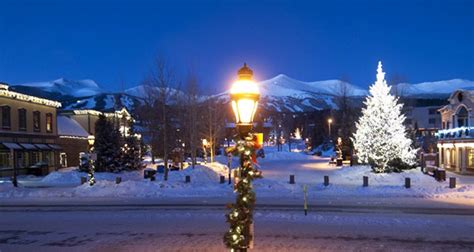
{"points": [[244, 95]]}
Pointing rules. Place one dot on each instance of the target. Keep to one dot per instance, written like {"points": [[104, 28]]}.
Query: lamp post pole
{"points": [[229, 164], [329, 128], [91, 140], [204, 149], [244, 97], [12, 162]]}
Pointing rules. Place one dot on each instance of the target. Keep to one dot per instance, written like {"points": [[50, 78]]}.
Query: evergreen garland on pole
{"points": [[91, 169], [240, 217]]}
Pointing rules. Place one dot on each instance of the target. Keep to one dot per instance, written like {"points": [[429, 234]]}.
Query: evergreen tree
{"points": [[107, 146], [131, 150], [381, 138]]}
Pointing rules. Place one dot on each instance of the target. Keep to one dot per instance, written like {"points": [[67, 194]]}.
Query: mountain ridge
{"points": [[281, 93]]}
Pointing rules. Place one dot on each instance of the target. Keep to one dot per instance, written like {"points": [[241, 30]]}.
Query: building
{"points": [[73, 140], [28, 134], [87, 118], [76, 125], [456, 138], [423, 119]]}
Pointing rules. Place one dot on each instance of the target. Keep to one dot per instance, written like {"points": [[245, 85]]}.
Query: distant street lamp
{"points": [[329, 127], [205, 143], [91, 140], [244, 96]]}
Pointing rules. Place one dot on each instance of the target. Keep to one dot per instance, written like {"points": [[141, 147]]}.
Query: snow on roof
{"points": [[69, 127]]}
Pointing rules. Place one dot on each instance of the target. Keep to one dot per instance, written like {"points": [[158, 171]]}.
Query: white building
{"points": [[423, 118], [456, 138]]}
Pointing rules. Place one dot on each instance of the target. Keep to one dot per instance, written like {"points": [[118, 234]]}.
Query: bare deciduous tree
{"points": [[190, 116], [346, 115], [160, 91], [213, 123]]}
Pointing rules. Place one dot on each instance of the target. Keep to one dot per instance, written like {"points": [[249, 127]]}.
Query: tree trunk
{"points": [[165, 140]]}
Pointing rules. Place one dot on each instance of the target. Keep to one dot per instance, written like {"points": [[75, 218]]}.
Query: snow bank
{"points": [[345, 182]]}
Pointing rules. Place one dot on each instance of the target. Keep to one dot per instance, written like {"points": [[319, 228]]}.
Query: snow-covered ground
{"points": [[186, 229], [345, 183]]}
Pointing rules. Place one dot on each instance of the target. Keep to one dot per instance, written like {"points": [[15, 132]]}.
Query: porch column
{"points": [[440, 157], [463, 167], [459, 157], [447, 158]]}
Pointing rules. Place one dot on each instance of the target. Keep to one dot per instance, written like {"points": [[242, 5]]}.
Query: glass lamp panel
{"points": [[246, 110], [254, 110], [236, 111]]}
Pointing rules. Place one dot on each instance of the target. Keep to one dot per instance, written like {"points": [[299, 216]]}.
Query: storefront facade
{"points": [[28, 134], [456, 138]]}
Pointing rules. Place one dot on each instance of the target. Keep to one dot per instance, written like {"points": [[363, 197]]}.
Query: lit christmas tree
{"points": [[380, 138]]}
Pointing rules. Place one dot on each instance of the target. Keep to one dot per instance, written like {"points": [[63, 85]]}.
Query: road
{"points": [[201, 227]]}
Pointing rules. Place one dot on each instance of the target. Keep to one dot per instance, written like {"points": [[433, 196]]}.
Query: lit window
{"points": [[36, 121], [49, 122]]}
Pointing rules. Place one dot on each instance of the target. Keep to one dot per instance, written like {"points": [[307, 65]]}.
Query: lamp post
{"points": [[329, 127], [91, 140], [244, 96], [204, 149]]}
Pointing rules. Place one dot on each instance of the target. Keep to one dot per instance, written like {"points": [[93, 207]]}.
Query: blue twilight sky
{"points": [[109, 41]]}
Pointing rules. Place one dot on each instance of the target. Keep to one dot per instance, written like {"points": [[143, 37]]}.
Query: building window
{"points": [[432, 120], [6, 122], [444, 125], [22, 119], [34, 157], [470, 158], [463, 117], [36, 121], [4, 159], [49, 122], [448, 124]]}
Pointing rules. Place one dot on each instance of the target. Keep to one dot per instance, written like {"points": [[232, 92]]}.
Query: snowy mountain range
{"points": [[280, 93], [62, 86], [437, 88]]}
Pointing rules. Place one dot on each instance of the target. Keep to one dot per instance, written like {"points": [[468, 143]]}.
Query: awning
{"points": [[28, 146], [12, 146], [43, 146], [55, 147]]}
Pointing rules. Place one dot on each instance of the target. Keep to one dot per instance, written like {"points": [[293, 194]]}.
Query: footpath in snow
{"points": [[274, 188]]}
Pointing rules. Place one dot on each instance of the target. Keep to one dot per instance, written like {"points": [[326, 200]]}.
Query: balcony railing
{"points": [[460, 132]]}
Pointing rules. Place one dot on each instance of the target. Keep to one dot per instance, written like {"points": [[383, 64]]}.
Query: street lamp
{"points": [[329, 127], [204, 149], [244, 96], [91, 140]]}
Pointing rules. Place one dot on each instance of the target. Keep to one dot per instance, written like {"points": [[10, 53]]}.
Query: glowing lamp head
{"points": [[329, 120], [91, 139], [244, 96]]}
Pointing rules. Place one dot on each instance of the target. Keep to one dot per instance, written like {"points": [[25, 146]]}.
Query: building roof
{"points": [[69, 127], [4, 92]]}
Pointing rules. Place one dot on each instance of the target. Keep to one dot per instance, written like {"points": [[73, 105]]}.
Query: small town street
{"points": [[200, 228]]}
